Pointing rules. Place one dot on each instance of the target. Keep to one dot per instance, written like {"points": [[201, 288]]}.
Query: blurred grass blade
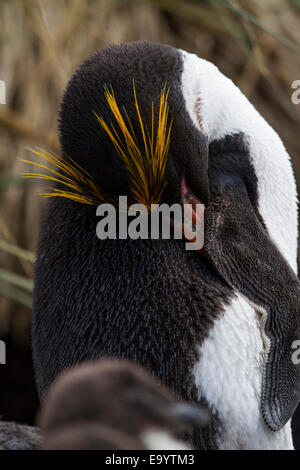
{"points": [[16, 280], [232, 26], [244, 14], [295, 3], [8, 180], [16, 251], [16, 294]]}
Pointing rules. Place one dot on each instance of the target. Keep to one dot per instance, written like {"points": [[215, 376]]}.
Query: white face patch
{"points": [[229, 372]]}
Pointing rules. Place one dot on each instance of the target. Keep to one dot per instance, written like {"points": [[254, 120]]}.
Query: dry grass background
{"points": [[256, 43]]}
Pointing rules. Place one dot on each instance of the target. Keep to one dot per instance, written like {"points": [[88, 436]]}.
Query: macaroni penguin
{"points": [[219, 326]]}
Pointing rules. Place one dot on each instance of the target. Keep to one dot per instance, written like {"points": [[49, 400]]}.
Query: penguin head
{"points": [[123, 120], [114, 404]]}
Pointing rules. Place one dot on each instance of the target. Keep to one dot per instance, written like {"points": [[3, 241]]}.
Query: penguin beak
{"points": [[181, 417], [186, 416], [239, 246]]}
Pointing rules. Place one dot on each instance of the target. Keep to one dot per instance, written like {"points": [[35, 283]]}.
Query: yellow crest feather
{"points": [[145, 167], [79, 183]]}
